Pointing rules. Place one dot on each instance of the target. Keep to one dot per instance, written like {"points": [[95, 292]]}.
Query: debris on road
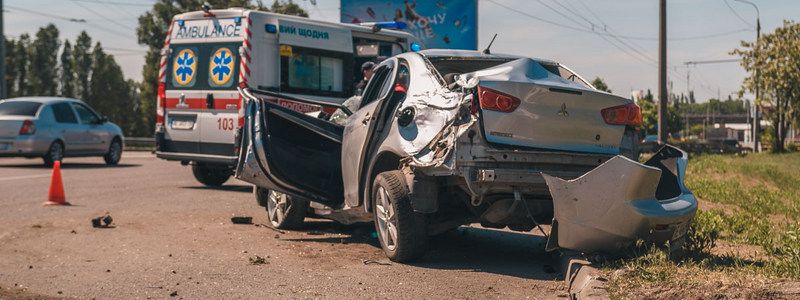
{"points": [[103, 221], [375, 262], [258, 260], [271, 228], [242, 220]]}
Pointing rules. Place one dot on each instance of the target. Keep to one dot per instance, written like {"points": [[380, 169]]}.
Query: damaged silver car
{"points": [[443, 138]]}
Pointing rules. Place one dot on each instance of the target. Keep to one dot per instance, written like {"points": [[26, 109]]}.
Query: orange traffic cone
{"points": [[56, 194]]}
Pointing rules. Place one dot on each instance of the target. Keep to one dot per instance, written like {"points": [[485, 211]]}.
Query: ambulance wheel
{"points": [[211, 175], [283, 211]]}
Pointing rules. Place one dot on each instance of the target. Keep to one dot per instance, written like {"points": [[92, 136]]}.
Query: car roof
{"points": [[434, 53], [42, 99]]}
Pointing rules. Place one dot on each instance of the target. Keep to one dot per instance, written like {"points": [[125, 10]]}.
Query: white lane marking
{"points": [[24, 177]]}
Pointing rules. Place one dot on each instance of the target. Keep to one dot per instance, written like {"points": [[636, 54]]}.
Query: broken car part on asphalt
{"points": [[443, 138]]}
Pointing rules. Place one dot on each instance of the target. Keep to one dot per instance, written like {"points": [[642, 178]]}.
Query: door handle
{"points": [[365, 120]]}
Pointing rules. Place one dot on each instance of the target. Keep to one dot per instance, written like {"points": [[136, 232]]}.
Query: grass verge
{"points": [[745, 240]]}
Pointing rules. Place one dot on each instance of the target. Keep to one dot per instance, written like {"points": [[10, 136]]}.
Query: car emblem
{"points": [[563, 111]]}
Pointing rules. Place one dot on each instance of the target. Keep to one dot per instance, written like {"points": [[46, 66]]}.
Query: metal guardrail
{"points": [[140, 143]]}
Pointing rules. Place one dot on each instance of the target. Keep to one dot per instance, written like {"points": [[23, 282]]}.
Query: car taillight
{"points": [[27, 128], [161, 103], [494, 100], [628, 114]]}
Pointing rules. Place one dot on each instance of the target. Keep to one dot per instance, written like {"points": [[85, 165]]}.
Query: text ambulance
{"points": [[208, 54]]}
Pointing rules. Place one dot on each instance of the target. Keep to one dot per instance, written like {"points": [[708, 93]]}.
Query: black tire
{"points": [[54, 153], [114, 153], [283, 211], [211, 175], [391, 207]]}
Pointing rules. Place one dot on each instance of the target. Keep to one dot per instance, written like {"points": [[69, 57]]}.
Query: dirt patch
{"points": [[710, 286], [21, 293]]}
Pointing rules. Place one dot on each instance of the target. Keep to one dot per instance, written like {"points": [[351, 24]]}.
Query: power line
{"points": [[737, 14], [117, 3], [33, 12], [627, 37], [112, 21], [46, 14]]}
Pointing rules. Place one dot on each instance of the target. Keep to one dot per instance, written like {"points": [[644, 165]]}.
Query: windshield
{"points": [[19, 108], [203, 66]]}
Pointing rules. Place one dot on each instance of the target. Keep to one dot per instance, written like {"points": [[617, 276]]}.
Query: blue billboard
{"points": [[450, 24]]}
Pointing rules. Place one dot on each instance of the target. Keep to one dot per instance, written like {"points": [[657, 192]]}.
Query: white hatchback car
{"points": [[53, 128]]}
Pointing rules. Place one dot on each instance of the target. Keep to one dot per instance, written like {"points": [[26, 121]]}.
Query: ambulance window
{"points": [[315, 72]]}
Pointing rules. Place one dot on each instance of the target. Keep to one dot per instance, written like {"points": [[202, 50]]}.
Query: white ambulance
{"points": [[208, 54]]}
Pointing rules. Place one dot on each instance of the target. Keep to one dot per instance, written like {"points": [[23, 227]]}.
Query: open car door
{"points": [[290, 152]]}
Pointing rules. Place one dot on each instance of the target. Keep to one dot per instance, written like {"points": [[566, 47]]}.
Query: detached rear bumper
{"points": [[621, 201]]}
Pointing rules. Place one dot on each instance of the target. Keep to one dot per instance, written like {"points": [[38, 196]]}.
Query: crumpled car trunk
{"points": [[620, 201], [553, 113]]}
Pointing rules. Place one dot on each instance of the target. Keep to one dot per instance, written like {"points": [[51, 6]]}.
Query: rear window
{"points": [[19, 108], [203, 66], [461, 65]]}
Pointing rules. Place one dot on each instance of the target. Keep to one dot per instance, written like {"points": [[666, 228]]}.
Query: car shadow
{"points": [[227, 187], [71, 166], [468, 249]]}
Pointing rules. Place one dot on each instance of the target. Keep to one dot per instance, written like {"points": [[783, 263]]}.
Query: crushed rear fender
{"points": [[622, 201]]}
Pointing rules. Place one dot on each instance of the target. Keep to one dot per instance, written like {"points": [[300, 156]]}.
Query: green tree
{"points": [[288, 8], [67, 74], [21, 62], [109, 92], [44, 59], [11, 69], [650, 117], [777, 57], [152, 32], [82, 61], [599, 84]]}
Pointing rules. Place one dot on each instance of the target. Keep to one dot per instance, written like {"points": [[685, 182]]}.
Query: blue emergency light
{"points": [[271, 28], [416, 47], [237, 20], [387, 25], [181, 22]]}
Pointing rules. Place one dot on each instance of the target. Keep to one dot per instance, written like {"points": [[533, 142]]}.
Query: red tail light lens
{"points": [[628, 114], [27, 128], [494, 100], [161, 102]]}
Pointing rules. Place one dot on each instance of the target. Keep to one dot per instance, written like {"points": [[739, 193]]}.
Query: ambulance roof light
{"points": [[237, 20], [181, 22], [377, 26]]}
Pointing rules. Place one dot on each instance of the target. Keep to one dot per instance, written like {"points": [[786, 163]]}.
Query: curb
{"points": [[584, 281]]}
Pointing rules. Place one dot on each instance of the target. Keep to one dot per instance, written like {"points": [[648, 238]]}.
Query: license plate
{"points": [[182, 125]]}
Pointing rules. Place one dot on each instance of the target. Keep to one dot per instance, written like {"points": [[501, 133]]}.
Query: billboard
{"points": [[451, 24]]}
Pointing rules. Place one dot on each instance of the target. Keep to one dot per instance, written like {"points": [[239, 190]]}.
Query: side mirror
{"points": [[102, 120]]}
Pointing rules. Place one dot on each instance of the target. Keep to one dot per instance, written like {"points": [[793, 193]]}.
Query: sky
{"points": [[698, 30]]}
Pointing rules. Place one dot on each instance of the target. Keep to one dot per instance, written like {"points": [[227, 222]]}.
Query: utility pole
{"points": [[662, 72], [756, 117], [3, 91]]}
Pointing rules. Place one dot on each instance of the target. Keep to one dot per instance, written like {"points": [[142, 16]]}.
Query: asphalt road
{"points": [[173, 239]]}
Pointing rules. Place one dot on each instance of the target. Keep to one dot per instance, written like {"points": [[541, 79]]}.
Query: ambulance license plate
{"points": [[182, 124]]}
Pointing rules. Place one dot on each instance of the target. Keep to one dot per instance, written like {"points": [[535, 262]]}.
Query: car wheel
{"points": [[211, 175], [54, 153], [401, 231], [283, 211], [114, 153]]}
